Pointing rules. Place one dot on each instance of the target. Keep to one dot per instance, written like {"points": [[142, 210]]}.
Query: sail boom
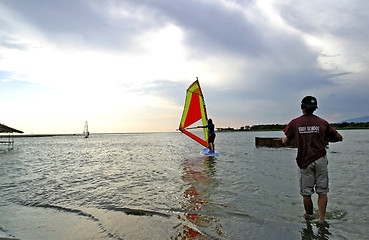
{"points": [[194, 137]]}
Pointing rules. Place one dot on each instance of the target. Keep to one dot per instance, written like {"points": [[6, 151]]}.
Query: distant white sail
{"points": [[86, 133]]}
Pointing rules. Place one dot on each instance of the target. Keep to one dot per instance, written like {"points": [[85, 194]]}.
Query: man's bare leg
{"points": [[308, 205], [322, 206]]}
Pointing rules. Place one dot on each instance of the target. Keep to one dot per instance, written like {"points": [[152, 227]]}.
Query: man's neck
{"points": [[306, 113]]}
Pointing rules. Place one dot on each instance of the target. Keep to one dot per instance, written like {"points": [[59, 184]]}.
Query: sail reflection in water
{"points": [[199, 220]]}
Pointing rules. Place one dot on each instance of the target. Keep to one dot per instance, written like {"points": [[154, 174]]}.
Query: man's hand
{"points": [[336, 138], [283, 139]]}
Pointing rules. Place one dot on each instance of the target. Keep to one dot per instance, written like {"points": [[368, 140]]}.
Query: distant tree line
{"points": [[261, 127], [351, 125], [268, 127], [281, 127]]}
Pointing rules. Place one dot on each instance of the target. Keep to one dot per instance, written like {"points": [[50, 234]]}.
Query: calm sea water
{"points": [[158, 186]]}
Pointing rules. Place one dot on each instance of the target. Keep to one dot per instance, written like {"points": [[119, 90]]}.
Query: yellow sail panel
{"points": [[204, 118]]}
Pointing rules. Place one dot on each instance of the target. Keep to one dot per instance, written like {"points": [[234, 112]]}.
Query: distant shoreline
{"points": [[63, 135], [254, 128], [39, 135], [277, 130], [281, 127]]}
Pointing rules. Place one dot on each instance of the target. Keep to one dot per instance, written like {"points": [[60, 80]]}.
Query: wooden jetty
{"points": [[272, 142], [9, 139]]}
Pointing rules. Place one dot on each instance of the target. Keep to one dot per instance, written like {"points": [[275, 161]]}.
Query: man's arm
{"points": [[335, 138]]}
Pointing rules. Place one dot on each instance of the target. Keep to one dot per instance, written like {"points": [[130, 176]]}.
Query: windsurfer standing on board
{"points": [[211, 132]]}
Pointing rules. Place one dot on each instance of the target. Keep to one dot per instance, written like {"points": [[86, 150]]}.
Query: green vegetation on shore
{"points": [[281, 127]]}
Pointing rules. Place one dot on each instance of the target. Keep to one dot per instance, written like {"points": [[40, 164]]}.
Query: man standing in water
{"points": [[311, 134], [211, 132]]}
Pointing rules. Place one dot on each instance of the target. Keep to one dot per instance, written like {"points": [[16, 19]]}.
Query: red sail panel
{"points": [[194, 111], [196, 138]]}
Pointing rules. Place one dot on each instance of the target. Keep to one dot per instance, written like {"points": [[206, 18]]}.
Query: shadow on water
{"points": [[314, 230], [309, 232], [198, 220]]}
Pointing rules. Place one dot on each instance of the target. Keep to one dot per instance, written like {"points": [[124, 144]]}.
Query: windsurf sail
{"points": [[193, 112], [86, 133]]}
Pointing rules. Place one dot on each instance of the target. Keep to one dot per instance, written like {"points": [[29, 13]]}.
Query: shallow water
{"points": [[158, 186]]}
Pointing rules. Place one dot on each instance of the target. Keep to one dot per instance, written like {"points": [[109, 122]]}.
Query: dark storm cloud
{"points": [[288, 68], [345, 22], [339, 18], [213, 27], [210, 26], [89, 22]]}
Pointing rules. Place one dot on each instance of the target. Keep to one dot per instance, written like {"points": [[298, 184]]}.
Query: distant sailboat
{"points": [[86, 133]]}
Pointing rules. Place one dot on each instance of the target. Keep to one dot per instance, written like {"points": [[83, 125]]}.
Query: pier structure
{"points": [[9, 139], [273, 142]]}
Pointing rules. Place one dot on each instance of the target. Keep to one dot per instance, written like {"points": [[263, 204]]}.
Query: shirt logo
{"points": [[309, 129]]}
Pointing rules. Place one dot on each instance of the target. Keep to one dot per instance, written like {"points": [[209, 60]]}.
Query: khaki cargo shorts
{"points": [[314, 176]]}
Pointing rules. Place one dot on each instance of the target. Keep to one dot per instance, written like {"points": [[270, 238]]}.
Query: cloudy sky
{"points": [[124, 65]]}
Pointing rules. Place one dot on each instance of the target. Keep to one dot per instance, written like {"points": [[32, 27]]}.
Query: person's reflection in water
{"points": [[198, 221], [322, 231]]}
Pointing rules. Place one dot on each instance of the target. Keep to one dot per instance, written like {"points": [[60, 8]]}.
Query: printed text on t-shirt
{"points": [[309, 129]]}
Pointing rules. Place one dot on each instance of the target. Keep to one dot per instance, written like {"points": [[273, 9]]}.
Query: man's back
{"points": [[311, 133]]}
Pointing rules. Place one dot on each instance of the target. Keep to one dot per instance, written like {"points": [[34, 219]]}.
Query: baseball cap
{"points": [[309, 102]]}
